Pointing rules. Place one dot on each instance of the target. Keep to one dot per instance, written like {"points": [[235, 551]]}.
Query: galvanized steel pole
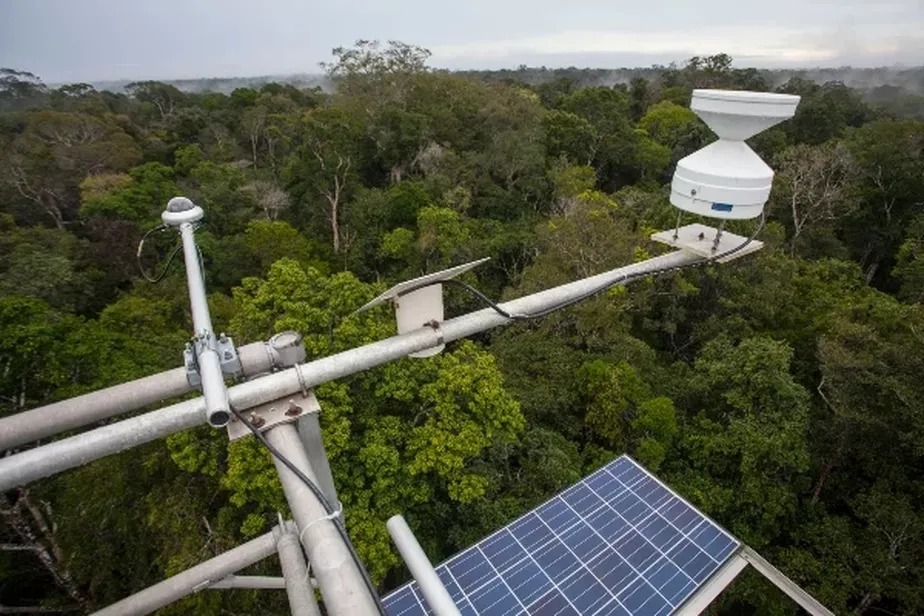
{"points": [[302, 601], [421, 568], [194, 579], [213, 380], [53, 458], [250, 582], [48, 420], [339, 577], [72, 413]]}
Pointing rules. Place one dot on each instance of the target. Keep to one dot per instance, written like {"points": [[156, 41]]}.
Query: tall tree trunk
{"points": [[864, 603], [334, 201], [28, 522], [822, 478]]}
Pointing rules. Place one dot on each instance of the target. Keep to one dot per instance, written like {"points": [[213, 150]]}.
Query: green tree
{"points": [[326, 164], [57, 150], [675, 127], [397, 436], [613, 141], [889, 165]]}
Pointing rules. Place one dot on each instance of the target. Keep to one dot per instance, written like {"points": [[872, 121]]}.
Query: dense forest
{"points": [[781, 393]]}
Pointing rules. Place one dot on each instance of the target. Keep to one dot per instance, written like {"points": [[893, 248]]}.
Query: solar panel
{"points": [[618, 542]]}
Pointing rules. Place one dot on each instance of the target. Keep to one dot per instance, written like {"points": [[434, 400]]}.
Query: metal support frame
{"points": [[79, 411], [302, 601], [779, 579], [252, 582], [727, 573], [309, 430], [421, 568], [719, 581], [194, 579], [77, 450], [339, 577]]}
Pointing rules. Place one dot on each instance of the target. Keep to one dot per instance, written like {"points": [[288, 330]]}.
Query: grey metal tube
{"points": [[202, 319], [252, 582], [25, 467], [194, 579], [298, 587], [339, 578], [213, 380], [332, 367], [73, 413], [809, 603], [53, 458], [421, 568], [309, 430], [79, 411]]}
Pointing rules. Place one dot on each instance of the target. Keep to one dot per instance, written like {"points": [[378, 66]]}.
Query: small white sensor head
{"points": [[726, 179], [419, 302], [181, 210]]}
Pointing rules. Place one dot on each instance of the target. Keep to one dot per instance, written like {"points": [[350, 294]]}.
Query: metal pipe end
{"points": [[219, 418]]}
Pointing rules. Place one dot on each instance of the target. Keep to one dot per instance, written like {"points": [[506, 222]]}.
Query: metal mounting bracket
{"points": [[700, 240], [227, 356], [271, 414]]}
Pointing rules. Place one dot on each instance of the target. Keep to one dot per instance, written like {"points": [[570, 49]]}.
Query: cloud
{"points": [[765, 45]]}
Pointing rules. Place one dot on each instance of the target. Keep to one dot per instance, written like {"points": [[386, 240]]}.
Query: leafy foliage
{"points": [[780, 393]]}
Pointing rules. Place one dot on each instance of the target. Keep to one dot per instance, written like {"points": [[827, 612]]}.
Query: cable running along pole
{"points": [[47, 460]]}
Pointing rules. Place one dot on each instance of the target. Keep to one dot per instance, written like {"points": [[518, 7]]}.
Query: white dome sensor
{"points": [[726, 179]]}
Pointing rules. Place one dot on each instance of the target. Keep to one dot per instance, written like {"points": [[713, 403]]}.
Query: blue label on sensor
{"points": [[722, 207]]}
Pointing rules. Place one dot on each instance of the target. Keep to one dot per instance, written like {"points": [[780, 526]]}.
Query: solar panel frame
{"points": [[618, 542]]}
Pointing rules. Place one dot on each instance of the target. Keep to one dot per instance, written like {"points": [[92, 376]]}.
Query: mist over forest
{"points": [[877, 83], [780, 393]]}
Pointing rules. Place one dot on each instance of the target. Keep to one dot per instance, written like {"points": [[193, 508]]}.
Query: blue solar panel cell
{"points": [[554, 603], [495, 598], [584, 592], [612, 570], [638, 552], [531, 532], [403, 602], [583, 541], [527, 582], [617, 543], [613, 608], [502, 550], [556, 560], [640, 598], [557, 515], [471, 569]]}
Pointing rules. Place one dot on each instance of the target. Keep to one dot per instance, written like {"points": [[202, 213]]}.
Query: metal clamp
{"points": [[223, 346], [271, 414], [435, 326]]}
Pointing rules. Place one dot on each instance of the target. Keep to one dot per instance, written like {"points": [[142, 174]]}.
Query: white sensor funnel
{"points": [[726, 179]]}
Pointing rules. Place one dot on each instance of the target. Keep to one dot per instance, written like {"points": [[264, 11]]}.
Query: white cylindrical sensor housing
{"points": [[726, 179]]}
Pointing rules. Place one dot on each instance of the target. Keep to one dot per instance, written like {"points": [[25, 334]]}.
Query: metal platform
{"points": [[700, 240]]}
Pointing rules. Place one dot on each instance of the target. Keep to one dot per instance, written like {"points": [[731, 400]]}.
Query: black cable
{"points": [[608, 285], [338, 523], [170, 257]]}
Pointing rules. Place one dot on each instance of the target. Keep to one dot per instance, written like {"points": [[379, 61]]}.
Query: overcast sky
{"points": [[91, 40]]}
